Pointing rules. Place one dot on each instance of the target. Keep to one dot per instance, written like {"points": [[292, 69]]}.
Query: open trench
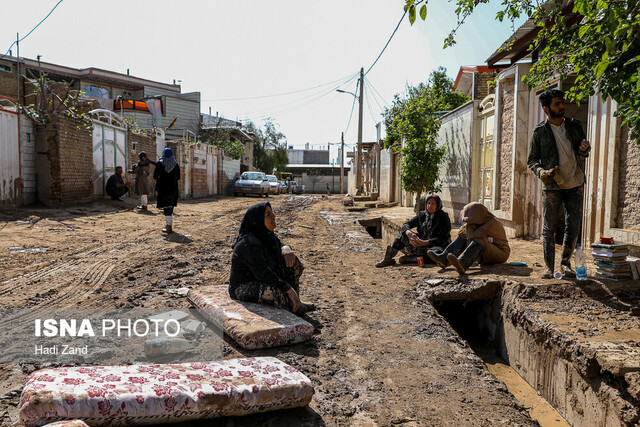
{"points": [[560, 380]]}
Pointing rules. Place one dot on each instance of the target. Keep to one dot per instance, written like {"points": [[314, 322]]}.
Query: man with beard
{"points": [[557, 156]]}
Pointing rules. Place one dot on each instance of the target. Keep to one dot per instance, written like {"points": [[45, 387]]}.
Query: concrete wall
{"points": [[456, 134], [386, 180], [229, 173]]}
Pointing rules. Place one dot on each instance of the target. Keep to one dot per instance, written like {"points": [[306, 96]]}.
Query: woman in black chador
{"points": [[433, 233], [167, 174], [263, 270]]}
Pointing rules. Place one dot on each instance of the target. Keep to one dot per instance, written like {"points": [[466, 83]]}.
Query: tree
{"points": [[413, 123], [220, 136], [599, 41], [269, 147]]}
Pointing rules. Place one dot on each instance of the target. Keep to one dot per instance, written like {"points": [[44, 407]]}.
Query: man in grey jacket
{"points": [[557, 156]]}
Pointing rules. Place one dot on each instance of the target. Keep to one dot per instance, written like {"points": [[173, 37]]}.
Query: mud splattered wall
{"points": [[505, 143], [628, 183]]}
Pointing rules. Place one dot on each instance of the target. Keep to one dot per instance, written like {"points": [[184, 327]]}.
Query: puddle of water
{"points": [[539, 409]]}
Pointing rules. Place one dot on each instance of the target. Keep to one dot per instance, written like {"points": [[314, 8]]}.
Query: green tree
{"points": [[221, 137], [269, 147], [598, 40], [413, 123]]}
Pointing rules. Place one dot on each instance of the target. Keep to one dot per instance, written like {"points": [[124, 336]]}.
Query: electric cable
{"points": [[352, 107], [297, 103], [388, 41], [280, 94], [33, 29]]}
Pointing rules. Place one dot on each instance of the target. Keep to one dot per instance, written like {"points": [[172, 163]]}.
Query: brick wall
{"points": [[199, 183], [8, 83], [481, 85], [629, 183], [505, 144], [65, 162]]}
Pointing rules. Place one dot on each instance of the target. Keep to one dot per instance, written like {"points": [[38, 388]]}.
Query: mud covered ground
{"points": [[380, 355]]}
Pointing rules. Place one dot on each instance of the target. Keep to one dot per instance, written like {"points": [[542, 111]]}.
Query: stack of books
{"points": [[611, 261]]}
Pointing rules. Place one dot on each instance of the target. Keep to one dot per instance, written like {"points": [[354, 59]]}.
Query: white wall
{"points": [[456, 134]]}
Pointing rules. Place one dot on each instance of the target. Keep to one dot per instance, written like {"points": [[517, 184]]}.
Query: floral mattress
{"points": [[155, 394], [250, 325]]}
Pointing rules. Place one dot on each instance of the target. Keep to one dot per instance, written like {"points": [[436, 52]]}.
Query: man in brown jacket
{"points": [[482, 237]]}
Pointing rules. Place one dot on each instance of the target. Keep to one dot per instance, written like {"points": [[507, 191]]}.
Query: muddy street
{"points": [[381, 353]]}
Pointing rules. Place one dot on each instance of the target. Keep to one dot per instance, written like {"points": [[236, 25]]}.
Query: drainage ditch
{"points": [[477, 323], [560, 378]]}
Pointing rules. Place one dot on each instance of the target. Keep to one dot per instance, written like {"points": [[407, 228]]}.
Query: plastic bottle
{"points": [[166, 346], [581, 264]]}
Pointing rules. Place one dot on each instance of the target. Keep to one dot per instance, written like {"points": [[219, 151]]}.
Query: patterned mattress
{"points": [[155, 394], [251, 325]]}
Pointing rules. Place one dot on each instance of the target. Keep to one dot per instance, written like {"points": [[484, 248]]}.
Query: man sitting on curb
{"points": [[116, 188], [557, 156], [434, 232]]}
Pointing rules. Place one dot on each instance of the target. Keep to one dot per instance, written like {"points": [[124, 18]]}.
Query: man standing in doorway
{"points": [[557, 156]]}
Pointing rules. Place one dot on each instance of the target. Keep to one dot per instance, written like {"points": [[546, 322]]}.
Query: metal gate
{"points": [[109, 147], [9, 158]]}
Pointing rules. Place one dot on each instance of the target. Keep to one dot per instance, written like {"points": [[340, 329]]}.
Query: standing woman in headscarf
{"points": [[141, 170], [482, 237], [263, 270], [167, 174]]}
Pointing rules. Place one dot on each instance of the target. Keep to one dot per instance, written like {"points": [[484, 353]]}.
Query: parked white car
{"points": [[252, 183], [273, 184]]}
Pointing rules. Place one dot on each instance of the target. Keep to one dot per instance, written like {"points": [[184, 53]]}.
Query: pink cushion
{"points": [[250, 325], [154, 394], [69, 423]]}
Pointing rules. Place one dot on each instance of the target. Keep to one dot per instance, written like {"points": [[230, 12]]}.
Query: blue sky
{"points": [[228, 49]]}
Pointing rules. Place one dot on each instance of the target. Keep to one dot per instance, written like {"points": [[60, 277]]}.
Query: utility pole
{"points": [[359, 156], [18, 69], [341, 162]]}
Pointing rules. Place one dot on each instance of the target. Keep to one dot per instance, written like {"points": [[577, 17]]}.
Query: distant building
{"points": [[313, 169]]}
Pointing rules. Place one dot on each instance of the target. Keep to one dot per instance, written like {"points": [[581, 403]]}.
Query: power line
{"points": [[33, 29], [388, 41], [280, 94], [298, 103], [352, 107], [377, 95]]}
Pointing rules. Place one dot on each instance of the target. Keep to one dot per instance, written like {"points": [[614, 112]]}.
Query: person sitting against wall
{"points": [[433, 232], [481, 238], [116, 188], [263, 270]]}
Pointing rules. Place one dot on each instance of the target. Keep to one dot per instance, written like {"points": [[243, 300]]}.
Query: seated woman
{"points": [[482, 237], [263, 270], [434, 232]]}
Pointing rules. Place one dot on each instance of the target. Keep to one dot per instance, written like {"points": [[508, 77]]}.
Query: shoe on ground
{"points": [[385, 262], [454, 261], [167, 229], [567, 271], [437, 259], [142, 208], [408, 259], [548, 274]]}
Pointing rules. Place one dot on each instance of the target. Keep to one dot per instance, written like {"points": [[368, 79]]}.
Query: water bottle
{"points": [[581, 264]]}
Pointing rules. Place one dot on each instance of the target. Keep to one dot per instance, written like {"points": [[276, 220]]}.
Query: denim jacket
{"points": [[543, 152]]}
